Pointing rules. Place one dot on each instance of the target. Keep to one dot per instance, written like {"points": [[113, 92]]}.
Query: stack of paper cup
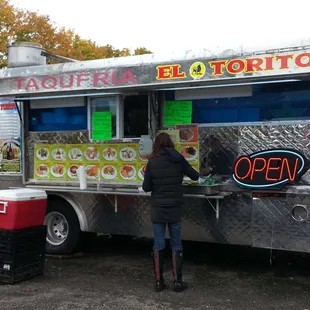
{"points": [[82, 177]]}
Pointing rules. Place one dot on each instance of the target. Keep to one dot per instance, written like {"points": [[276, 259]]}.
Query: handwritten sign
{"points": [[177, 112], [102, 126]]}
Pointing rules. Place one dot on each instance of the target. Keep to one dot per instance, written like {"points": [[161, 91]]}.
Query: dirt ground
{"points": [[117, 274]]}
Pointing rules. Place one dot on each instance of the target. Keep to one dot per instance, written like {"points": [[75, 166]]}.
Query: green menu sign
{"points": [[177, 112], [102, 126]]}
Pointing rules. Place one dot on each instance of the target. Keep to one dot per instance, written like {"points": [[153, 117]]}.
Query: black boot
{"points": [[177, 264], [158, 263]]}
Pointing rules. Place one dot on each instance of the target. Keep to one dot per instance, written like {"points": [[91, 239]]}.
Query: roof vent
{"points": [[25, 54]]}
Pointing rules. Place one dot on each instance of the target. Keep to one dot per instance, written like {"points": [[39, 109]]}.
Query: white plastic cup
{"points": [[82, 177]]}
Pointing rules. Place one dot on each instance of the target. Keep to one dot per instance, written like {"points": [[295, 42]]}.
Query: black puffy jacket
{"points": [[163, 177]]}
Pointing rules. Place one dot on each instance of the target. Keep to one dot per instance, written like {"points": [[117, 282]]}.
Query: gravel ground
{"points": [[117, 274]]}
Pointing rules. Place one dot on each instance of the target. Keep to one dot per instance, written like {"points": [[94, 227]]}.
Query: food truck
{"points": [[241, 118]]}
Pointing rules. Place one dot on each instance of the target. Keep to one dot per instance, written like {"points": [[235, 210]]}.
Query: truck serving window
{"points": [[58, 114], [104, 104], [266, 102], [136, 116]]}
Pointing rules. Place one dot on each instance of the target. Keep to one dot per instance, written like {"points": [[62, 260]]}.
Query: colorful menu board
{"points": [[102, 126], [105, 162], [188, 133], [189, 145], [177, 112]]}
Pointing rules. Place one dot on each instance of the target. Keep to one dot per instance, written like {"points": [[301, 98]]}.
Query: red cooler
{"points": [[22, 208]]}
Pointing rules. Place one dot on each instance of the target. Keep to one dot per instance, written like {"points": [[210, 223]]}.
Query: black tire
{"points": [[70, 244]]}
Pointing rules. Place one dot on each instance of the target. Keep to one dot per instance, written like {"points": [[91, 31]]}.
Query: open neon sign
{"points": [[270, 168]]}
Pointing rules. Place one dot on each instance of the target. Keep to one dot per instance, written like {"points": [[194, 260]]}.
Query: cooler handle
{"points": [[5, 205]]}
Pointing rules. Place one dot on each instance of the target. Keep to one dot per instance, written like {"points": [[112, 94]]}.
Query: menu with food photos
{"points": [[109, 171], [110, 152], [141, 171], [118, 163], [188, 133], [189, 145], [42, 161], [129, 157], [75, 152]]}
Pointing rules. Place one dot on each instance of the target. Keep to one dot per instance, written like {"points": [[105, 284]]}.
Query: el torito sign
{"points": [[232, 67], [270, 168]]}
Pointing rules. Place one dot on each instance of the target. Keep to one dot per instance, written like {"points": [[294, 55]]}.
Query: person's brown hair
{"points": [[163, 140]]}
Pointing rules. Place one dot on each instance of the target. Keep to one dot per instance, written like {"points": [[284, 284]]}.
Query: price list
{"points": [[177, 112], [102, 126], [10, 126]]}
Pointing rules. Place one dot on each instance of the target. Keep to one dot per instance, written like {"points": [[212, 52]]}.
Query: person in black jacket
{"points": [[163, 178]]}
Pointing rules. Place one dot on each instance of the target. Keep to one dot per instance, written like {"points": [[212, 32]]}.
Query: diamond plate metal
{"points": [[274, 227], [233, 226], [200, 224], [249, 139], [260, 222]]}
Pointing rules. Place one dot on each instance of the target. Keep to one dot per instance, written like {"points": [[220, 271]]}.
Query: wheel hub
{"points": [[57, 228]]}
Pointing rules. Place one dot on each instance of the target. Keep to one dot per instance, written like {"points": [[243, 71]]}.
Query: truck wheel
{"points": [[63, 227]]}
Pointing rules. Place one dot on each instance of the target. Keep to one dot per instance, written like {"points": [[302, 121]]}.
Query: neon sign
{"points": [[270, 168]]}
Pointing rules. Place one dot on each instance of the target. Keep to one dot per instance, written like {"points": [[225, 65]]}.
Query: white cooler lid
{"points": [[21, 194]]}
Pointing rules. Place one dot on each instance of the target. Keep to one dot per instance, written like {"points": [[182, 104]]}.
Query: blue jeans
{"points": [[174, 232]]}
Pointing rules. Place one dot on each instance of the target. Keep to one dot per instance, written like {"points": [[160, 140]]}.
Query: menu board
{"points": [[189, 145], [102, 126], [177, 112], [118, 163], [188, 133], [10, 125], [128, 157], [58, 162], [42, 159], [102, 162]]}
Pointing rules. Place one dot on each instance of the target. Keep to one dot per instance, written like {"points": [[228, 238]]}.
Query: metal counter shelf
{"points": [[213, 200], [213, 194], [299, 189]]}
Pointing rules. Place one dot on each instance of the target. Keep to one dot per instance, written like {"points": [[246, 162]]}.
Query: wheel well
{"points": [[70, 201]]}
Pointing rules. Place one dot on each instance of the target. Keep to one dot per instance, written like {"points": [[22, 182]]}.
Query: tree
{"points": [[142, 51], [23, 25], [7, 20]]}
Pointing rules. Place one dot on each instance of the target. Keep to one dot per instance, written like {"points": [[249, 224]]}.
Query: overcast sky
{"points": [[168, 25]]}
